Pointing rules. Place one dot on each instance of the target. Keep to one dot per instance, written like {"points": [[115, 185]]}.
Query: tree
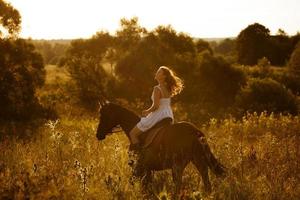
{"points": [[10, 18], [226, 47], [84, 60], [281, 32], [163, 46], [52, 52], [280, 48], [252, 44], [294, 62], [133, 70], [21, 71], [216, 82], [129, 34], [178, 42], [202, 45], [127, 38]]}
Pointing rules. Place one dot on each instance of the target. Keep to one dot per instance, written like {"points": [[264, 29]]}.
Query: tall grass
{"points": [[66, 161]]}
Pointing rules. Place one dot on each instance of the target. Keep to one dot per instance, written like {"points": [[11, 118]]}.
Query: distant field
{"points": [[55, 74]]}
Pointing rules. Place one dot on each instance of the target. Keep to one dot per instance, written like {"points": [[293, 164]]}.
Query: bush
{"points": [[266, 95], [289, 80]]}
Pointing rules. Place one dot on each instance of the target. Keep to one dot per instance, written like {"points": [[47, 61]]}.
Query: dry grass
{"points": [[66, 161]]}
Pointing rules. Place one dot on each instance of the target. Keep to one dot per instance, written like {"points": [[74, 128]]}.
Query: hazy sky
{"points": [[54, 19]]}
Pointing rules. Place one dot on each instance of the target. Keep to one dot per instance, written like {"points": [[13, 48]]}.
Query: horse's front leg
{"points": [[145, 176], [147, 179]]}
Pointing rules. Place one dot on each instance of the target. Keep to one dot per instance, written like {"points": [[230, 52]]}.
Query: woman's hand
{"points": [[145, 113]]}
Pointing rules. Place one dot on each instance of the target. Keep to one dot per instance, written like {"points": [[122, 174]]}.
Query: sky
{"points": [[70, 19]]}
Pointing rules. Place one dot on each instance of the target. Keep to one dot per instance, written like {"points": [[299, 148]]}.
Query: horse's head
{"points": [[108, 120]]}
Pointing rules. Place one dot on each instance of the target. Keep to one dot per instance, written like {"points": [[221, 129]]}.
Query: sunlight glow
{"points": [[55, 19]]}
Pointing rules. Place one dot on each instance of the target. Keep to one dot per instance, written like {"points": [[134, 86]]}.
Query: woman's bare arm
{"points": [[155, 103]]}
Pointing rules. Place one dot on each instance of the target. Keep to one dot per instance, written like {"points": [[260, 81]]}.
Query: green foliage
{"points": [[264, 66], [129, 35], [202, 45], [51, 51], [279, 49], [290, 80], [225, 47], [121, 66], [214, 85], [295, 39], [255, 42], [10, 18], [163, 46], [266, 95], [21, 73], [84, 60], [263, 63], [294, 62], [252, 43], [178, 42], [282, 75]]}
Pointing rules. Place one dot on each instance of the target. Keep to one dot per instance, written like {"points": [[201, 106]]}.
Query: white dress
{"points": [[164, 110]]}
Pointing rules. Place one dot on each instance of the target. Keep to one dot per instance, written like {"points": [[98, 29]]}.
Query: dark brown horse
{"points": [[173, 148]]}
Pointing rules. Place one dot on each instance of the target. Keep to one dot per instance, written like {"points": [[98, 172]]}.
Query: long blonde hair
{"points": [[174, 83]]}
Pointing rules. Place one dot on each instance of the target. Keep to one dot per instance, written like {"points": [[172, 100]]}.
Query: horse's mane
{"points": [[124, 110]]}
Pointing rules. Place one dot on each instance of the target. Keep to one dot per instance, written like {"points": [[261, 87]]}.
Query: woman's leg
{"points": [[134, 134], [134, 147]]}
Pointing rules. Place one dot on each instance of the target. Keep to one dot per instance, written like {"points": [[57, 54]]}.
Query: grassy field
{"points": [[64, 159]]}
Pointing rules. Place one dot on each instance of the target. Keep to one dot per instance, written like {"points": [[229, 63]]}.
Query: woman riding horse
{"points": [[173, 148], [168, 86]]}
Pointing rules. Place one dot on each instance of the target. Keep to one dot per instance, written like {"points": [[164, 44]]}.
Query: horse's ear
{"points": [[102, 102], [99, 106]]}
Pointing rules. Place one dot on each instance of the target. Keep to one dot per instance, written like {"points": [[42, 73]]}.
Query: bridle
{"points": [[119, 129]]}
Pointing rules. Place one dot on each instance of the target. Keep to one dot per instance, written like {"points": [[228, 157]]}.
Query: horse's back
{"points": [[183, 129], [180, 135]]}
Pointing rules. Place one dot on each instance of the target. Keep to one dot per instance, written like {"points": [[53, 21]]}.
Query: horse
{"points": [[174, 147]]}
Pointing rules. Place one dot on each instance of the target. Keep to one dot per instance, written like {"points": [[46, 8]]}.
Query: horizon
{"points": [[208, 19]]}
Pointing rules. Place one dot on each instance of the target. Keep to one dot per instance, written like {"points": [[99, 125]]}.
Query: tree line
{"points": [[217, 76], [216, 82]]}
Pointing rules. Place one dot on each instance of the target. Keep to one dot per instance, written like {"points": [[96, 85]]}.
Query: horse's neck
{"points": [[128, 120]]}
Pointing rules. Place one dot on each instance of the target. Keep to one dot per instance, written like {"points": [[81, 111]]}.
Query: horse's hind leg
{"points": [[203, 170], [177, 172]]}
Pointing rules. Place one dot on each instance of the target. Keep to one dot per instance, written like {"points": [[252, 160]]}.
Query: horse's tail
{"points": [[202, 147], [213, 163]]}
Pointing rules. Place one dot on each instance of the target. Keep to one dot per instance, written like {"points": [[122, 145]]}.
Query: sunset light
{"points": [[157, 99], [67, 19]]}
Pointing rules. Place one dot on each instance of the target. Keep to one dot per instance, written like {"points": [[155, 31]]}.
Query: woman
{"points": [[168, 86]]}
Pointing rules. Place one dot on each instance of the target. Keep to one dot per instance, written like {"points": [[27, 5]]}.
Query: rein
{"points": [[119, 129]]}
